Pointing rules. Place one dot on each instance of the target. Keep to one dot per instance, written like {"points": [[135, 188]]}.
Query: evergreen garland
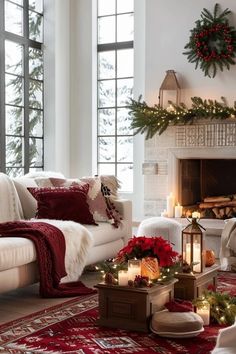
{"points": [[152, 120], [222, 306], [212, 43]]}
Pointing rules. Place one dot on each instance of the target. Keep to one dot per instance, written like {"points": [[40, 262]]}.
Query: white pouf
{"points": [[169, 229]]}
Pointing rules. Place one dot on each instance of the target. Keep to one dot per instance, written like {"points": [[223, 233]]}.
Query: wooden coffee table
{"points": [[131, 308], [191, 286]]}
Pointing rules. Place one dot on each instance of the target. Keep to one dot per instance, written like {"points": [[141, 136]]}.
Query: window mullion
{"points": [[26, 88]]}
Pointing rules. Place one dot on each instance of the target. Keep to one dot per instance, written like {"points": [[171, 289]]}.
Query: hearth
{"points": [[208, 185]]}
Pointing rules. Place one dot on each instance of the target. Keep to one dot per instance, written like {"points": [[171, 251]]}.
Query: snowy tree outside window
{"points": [[21, 94], [115, 86]]}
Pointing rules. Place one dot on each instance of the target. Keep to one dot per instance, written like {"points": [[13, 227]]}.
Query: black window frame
{"points": [[26, 43], [115, 46]]}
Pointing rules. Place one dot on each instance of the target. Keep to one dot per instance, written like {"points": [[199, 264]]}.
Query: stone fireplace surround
{"points": [[208, 140], [204, 140]]}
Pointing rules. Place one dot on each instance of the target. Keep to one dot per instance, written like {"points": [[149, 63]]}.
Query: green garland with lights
{"points": [[109, 272], [152, 120], [212, 43], [222, 306]]}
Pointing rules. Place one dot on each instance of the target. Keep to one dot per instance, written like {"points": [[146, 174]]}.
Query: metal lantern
{"points": [[193, 246], [170, 84]]}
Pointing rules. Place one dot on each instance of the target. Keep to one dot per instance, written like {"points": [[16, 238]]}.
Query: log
{"points": [[217, 199], [218, 204], [216, 212]]}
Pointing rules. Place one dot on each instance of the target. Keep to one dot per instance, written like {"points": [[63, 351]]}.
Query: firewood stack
{"points": [[222, 206]]}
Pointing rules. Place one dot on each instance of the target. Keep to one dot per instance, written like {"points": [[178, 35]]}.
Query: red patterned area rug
{"points": [[227, 282], [71, 328]]}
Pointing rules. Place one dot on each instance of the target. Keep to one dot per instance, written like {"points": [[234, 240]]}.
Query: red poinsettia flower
{"points": [[142, 246]]}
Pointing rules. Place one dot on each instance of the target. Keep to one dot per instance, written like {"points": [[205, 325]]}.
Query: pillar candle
{"points": [[197, 257], [134, 268], [170, 202], [188, 253], [178, 211], [123, 277], [204, 312]]}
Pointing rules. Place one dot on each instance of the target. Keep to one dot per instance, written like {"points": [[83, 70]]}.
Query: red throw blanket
{"points": [[50, 247]]}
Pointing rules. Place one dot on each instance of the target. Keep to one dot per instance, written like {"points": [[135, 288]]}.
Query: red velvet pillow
{"points": [[63, 203]]}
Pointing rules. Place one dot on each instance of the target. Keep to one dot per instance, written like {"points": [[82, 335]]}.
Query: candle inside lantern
{"points": [[204, 312], [134, 268], [196, 215], [123, 277], [178, 211], [197, 257], [170, 202], [187, 255]]}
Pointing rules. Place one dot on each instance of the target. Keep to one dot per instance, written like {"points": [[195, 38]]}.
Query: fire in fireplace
{"points": [[208, 185]]}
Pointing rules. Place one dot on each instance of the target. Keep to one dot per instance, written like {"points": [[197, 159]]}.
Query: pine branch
{"points": [[151, 120]]}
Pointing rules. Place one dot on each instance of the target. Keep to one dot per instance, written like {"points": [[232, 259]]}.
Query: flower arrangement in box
{"points": [[147, 248]]}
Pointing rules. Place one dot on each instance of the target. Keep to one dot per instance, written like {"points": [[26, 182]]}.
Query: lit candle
{"points": [[197, 257], [170, 202], [188, 253], [204, 312], [178, 211], [196, 215], [123, 277], [134, 268]]}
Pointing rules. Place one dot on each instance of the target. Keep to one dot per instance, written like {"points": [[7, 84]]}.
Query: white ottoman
{"points": [[169, 229]]}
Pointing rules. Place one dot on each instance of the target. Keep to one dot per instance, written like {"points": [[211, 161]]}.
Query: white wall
{"points": [[83, 87], [57, 86], [168, 25], [162, 30]]}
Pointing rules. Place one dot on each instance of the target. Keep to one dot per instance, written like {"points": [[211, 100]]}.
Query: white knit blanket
{"points": [[228, 244], [78, 243], [10, 205]]}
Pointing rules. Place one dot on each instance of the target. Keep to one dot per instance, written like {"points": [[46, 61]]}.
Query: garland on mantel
{"points": [[152, 120]]}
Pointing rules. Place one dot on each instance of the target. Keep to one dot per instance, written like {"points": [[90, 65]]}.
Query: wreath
{"points": [[212, 43]]}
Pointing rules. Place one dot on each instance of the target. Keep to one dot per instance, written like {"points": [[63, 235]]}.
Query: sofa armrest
{"points": [[124, 206]]}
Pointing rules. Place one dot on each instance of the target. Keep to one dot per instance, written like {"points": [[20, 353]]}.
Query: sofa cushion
{"points": [[105, 233], [28, 202], [63, 203], [16, 251]]}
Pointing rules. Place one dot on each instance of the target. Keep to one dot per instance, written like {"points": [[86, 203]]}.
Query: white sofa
{"points": [[18, 263]]}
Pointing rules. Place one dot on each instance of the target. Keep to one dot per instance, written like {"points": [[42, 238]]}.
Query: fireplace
{"points": [[208, 185], [209, 145]]}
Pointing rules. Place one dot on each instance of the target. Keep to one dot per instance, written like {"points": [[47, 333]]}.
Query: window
{"points": [[21, 94], [115, 86]]}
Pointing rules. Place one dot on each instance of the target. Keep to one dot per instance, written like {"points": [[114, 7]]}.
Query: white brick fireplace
{"points": [[204, 140]]}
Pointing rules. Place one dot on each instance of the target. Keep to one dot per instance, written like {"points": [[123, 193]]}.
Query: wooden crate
{"points": [[131, 308], [191, 286]]}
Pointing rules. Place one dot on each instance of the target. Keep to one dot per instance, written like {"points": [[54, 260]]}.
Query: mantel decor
{"points": [[155, 119], [212, 43]]}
